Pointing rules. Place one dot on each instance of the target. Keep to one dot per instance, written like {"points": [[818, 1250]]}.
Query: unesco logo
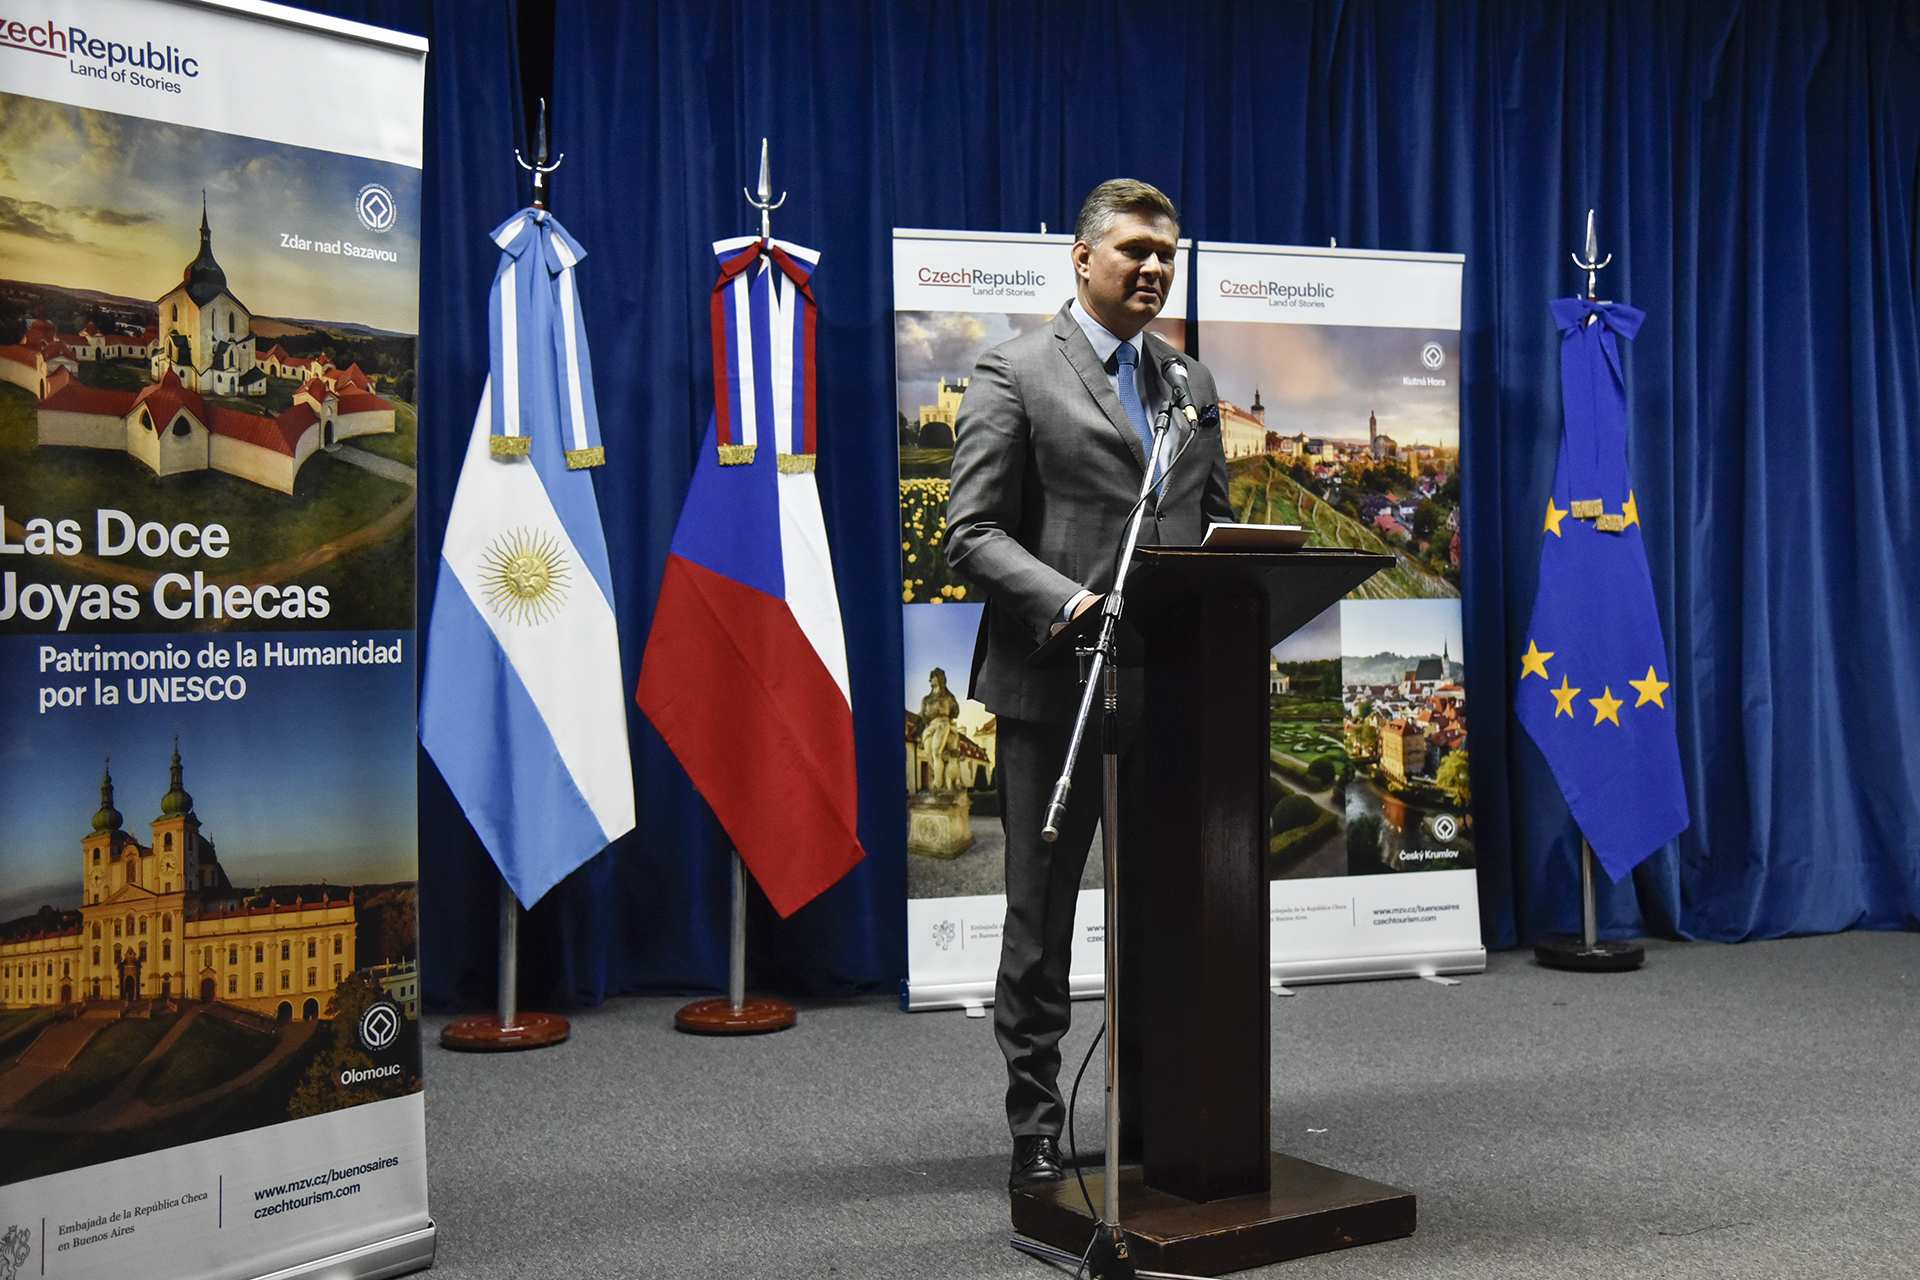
{"points": [[379, 1026], [375, 206], [1445, 828], [1432, 356]]}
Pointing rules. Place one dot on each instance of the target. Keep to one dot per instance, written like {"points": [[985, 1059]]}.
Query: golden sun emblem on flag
{"points": [[525, 575]]}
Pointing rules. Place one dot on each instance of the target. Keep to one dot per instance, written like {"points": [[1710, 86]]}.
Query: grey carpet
{"points": [[1742, 1111]]}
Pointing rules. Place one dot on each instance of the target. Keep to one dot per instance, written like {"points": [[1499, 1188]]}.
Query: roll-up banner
{"points": [[1370, 849], [1338, 373], [209, 296], [955, 294]]}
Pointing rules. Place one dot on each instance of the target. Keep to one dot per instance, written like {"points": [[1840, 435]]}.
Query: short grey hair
{"points": [[1117, 196]]}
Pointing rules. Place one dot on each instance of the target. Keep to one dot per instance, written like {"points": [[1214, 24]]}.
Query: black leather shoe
{"points": [[1036, 1159]]}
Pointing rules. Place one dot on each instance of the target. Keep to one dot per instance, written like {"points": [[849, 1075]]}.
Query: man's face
{"points": [[1124, 280]]}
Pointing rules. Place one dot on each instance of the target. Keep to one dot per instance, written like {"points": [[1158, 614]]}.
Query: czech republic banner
{"points": [[1339, 377], [955, 294], [209, 987]]}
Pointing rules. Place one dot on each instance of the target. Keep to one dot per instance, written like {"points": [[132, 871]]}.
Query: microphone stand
{"points": [[1107, 1257], [1102, 652]]}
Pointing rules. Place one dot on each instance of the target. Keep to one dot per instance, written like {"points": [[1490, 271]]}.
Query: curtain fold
{"points": [[1755, 169], [470, 183]]}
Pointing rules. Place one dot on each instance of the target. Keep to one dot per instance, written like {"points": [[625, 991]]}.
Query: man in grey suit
{"points": [[1050, 453]]}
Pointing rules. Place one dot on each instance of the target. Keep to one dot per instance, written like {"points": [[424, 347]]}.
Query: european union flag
{"points": [[1595, 690]]}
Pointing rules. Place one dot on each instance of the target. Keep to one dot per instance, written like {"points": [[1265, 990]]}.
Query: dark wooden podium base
{"points": [[482, 1033], [1601, 957], [1310, 1209], [755, 1016]]}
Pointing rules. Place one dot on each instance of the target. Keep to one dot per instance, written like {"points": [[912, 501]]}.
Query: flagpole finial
{"points": [[766, 204], [1592, 264], [540, 168]]}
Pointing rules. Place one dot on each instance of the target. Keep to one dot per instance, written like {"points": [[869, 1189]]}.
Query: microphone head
{"points": [[1172, 367]]}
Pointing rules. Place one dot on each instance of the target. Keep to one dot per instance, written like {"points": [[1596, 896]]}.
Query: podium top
{"points": [[1298, 585]]}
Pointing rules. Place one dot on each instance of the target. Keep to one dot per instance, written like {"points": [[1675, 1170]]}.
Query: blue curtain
{"points": [[471, 184], [1756, 171]]}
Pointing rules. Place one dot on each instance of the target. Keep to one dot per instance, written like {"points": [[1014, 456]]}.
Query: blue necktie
{"points": [[1130, 395]]}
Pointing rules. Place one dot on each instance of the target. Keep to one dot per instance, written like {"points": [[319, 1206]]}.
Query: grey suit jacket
{"points": [[1045, 468]]}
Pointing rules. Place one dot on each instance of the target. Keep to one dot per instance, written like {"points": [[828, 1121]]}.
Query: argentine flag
{"points": [[523, 706]]}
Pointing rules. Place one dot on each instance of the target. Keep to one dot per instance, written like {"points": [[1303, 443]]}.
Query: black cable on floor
{"points": [[1073, 1143]]}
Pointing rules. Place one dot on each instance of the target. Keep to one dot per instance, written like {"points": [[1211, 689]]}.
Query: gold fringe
{"points": [[1612, 522], [509, 446], [1588, 508], [577, 459], [736, 455], [793, 464]]}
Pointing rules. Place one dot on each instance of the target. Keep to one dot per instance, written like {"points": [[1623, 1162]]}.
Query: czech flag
{"points": [[745, 670]]}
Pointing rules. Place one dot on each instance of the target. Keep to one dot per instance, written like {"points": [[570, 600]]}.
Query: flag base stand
{"points": [[721, 1017], [508, 1029], [1588, 957], [735, 1014], [485, 1033], [1588, 953]]}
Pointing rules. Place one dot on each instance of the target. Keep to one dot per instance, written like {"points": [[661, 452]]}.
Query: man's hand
{"points": [[1086, 603]]}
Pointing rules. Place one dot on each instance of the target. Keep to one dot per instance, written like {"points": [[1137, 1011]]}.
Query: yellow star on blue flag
{"points": [[1596, 617]]}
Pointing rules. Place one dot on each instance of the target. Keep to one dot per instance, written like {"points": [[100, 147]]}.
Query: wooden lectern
{"points": [[1208, 1196]]}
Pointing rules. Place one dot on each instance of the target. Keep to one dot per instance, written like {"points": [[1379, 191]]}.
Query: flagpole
{"points": [[1589, 953], [737, 951], [737, 1014], [507, 1028], [509, 975], [1589, 918]]}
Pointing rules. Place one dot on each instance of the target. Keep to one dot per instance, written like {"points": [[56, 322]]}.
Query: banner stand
{"points": [[220, 1018], [509, 1028], [396, 1257]]}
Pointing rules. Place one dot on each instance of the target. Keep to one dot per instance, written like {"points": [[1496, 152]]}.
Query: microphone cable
{"points": [[1073, 1140]]}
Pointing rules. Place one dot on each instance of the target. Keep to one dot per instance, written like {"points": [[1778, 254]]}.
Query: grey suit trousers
{"points": [[1030, 1005]]}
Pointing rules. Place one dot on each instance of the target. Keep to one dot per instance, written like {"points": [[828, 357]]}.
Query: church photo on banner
{"points": [[209, 983]]}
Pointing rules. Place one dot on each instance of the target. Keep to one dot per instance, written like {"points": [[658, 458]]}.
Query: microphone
{"points": [[1175, 374], [1057, 809]]}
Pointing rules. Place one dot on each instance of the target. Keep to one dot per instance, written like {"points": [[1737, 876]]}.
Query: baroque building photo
{"points": [[163, 922]]}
